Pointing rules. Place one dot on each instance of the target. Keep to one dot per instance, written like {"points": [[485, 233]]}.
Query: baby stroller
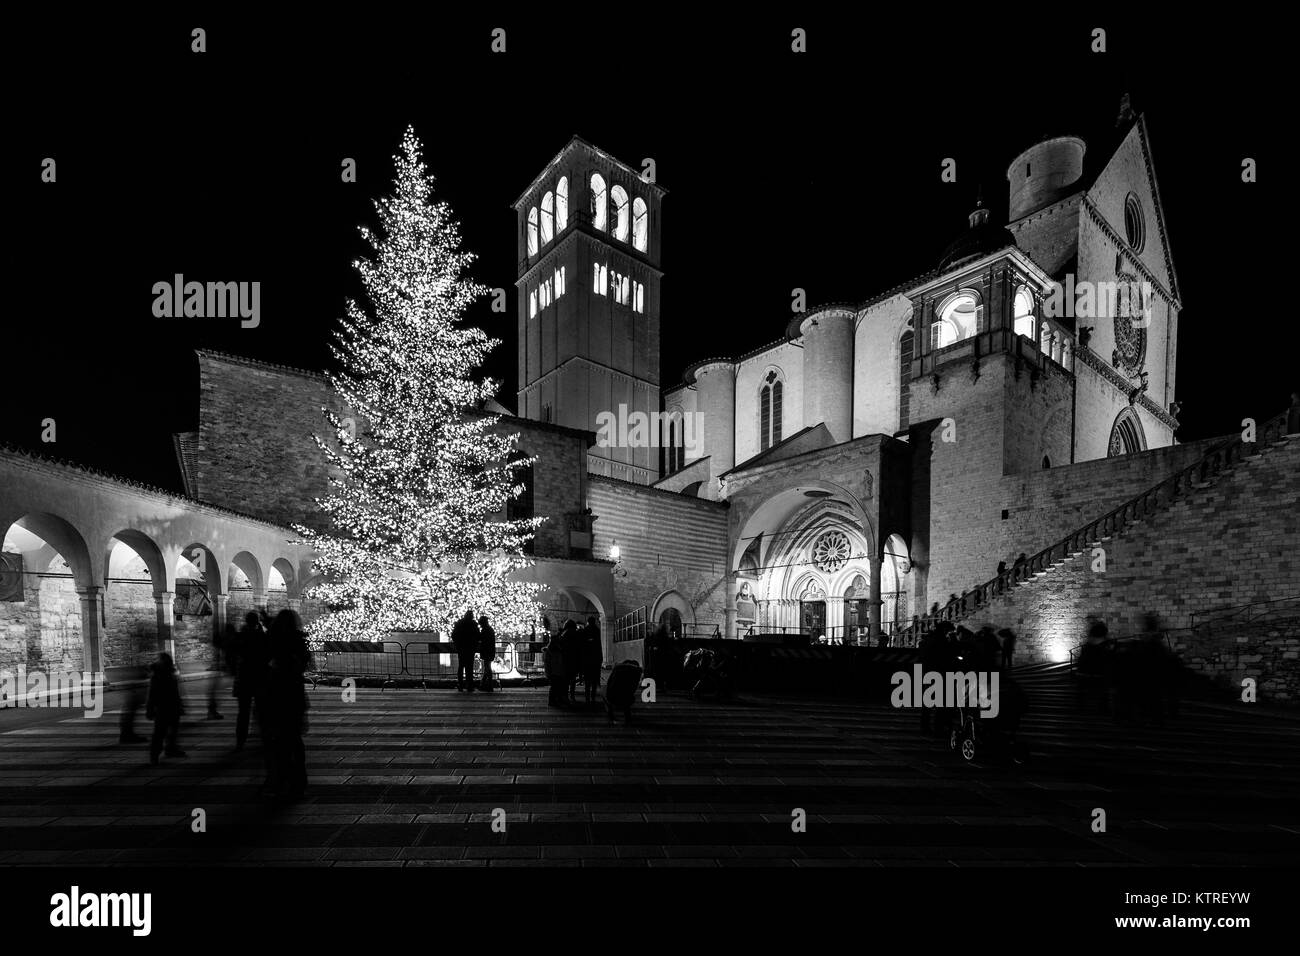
{"points": [[708, 672], [975, 736]]}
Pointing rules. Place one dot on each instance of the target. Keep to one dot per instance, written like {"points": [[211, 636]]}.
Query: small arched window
{"points": [[769, 411], [598, 198], [1047, 463], [640, 225], [548, 218], [618, 196], [532, 231], [561, 204], [1024, 312]]}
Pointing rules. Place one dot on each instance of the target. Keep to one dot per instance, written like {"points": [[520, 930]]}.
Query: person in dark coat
{"points": [[593, 656], [288, 660], [250, 654], [487, 650], [555, 673], [466, 638], [164, 708], [1008, 637], [571, 651]]}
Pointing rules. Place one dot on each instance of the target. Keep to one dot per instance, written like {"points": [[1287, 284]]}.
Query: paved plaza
{"points": [[412, 778]]}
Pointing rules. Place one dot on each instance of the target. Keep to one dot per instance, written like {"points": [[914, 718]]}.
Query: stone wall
{"points": [[672, 547], [1267, 653], [1234, 542], [256, 453]]}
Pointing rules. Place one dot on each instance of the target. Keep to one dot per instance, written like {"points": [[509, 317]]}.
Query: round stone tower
{"points": [[828, 370], [715, 382], [1044, 173]]}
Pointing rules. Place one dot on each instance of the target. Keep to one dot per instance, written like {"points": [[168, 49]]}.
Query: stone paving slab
{"points": [[414, 778]]}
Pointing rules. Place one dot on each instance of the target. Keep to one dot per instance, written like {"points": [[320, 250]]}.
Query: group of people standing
{"points": [[473, 638], [268, 659], [573, 653]]}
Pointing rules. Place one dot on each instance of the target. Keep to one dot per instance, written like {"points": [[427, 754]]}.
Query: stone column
{"points": [[165, 603], [92, 628], [733, 585], [873, 605], [219, 602]]}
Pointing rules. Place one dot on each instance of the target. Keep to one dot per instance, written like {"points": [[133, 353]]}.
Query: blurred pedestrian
{"points": [[593, 656], [288, 660], [164, 707], [555, 673], [1008, 637], [487, 650], [250, 653], [571, 651], [466, 637]]}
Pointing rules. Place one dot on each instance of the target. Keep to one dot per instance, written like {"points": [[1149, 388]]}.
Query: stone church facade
{"points": [[879, 456], [877, 459]]}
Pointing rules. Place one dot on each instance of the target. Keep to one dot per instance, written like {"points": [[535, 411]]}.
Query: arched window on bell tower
{"points": [[599, 219]]}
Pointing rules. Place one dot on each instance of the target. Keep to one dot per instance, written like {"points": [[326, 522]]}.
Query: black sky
{"points": [[819, 171]]}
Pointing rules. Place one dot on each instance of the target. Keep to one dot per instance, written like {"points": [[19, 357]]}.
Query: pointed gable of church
{"points": [[1126, 196]]}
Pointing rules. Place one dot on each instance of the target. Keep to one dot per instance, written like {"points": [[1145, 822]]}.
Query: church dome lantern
{"points": [[980, 239]]}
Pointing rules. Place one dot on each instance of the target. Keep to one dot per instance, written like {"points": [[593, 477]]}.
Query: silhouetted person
{"points": [[251, 664], [466, 638], [571, 651], [555, 673], [288, 660], [593, 655], [487, 650], [135, 696], [1094, 668], [164, 708], [222, 644], [621, 688], [936, 656], [1008, 637]]}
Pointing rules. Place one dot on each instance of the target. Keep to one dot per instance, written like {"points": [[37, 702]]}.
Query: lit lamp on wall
{"points": [[616, 555]]}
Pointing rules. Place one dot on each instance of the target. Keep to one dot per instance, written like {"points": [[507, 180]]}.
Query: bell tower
{"points": [[588, 290]]}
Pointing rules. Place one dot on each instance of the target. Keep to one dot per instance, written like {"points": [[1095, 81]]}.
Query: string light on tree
{"points": [[420, 477]]}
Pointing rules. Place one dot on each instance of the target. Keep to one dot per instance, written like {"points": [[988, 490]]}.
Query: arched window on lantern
{"points": [[532, 231], [548, 218], [598, 200], [640, 225], [561, 204], [1024, 313], [957, 318], [618, 196]]}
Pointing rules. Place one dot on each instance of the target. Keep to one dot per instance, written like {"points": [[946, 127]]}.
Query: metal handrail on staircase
{"points": [[1159, 496]]}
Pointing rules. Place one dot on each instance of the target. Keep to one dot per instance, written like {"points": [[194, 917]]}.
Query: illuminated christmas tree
{"points": [[420, 477]]}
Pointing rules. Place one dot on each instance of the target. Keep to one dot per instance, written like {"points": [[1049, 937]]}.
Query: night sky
{"points": [[819, 171]]}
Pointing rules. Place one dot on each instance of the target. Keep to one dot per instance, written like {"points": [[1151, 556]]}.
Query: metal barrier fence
{"points": [[422, 661]]}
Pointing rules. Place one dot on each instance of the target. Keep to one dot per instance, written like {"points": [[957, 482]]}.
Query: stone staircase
{"points": [[1216, 466]]}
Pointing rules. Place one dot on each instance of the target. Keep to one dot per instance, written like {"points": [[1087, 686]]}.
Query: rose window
{"points": [[831, 552]]}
